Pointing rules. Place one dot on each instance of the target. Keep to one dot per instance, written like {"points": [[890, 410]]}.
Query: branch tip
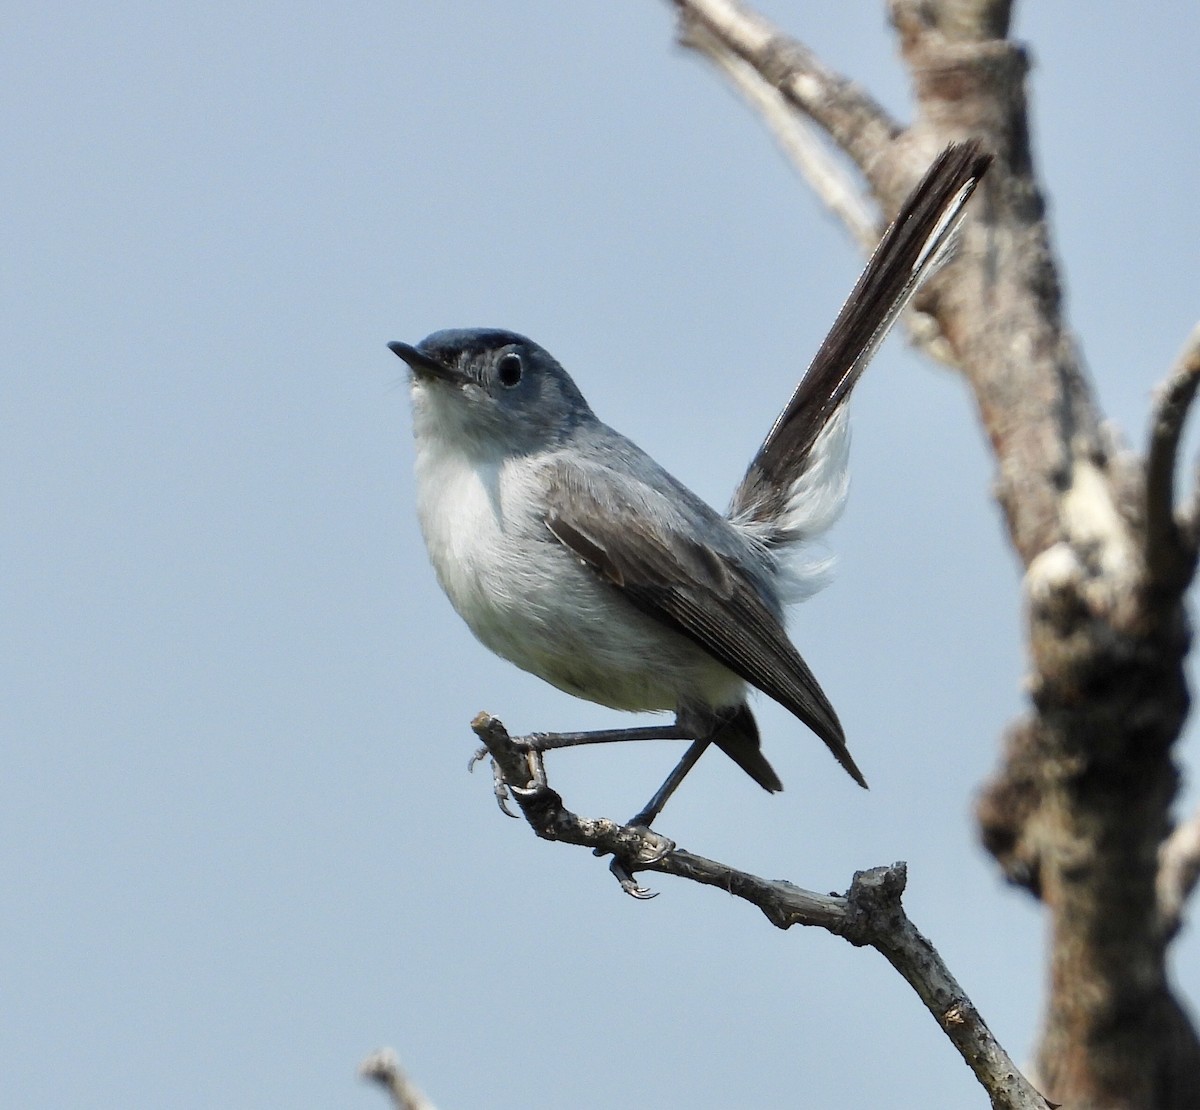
{"points": [[383, 1067], [1171, 539]]}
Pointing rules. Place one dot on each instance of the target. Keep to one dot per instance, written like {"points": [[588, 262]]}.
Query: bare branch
{"points": [[811, 159], [1033, 397], [1178, 873], [855, 121], [1171, 542], [383, 1067], [870, 914]]}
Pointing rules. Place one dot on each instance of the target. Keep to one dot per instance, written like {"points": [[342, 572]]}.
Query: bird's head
{"points": [[491, 390]]}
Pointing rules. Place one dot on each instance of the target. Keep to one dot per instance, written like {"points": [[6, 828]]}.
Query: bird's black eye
{"points": [[510, 369]]}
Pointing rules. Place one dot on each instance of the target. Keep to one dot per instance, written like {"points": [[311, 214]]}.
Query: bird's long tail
{"points": [[794, 488]]}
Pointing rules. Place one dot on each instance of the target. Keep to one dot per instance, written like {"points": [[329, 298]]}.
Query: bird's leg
{"points": [[540, 742], [549, 741], [646, 815]]}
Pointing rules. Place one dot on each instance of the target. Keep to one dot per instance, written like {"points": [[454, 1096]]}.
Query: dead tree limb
{"points": [[1079, 808]]}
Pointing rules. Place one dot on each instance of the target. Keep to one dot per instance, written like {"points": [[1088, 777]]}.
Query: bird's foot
{"points": [[535, 742], [499, 785], [652, 848], [629, 884]]}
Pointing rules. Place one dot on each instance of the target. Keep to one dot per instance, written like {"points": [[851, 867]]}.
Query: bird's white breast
{"points": [[532, 602]]}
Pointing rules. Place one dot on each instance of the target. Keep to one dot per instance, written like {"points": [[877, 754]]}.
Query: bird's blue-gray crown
{"points": [[502, 385]]}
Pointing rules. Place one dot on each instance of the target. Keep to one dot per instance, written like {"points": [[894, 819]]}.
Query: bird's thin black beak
{"points": [[425, 365]]}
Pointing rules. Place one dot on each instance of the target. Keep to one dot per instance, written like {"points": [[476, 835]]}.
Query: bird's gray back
{"points": [[621, 475]]}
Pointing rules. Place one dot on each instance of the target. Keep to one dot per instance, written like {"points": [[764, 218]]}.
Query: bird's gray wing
{"points": [[691, 588]]}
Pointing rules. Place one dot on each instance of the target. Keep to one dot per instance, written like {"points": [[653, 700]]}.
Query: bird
{"points": [[570, 552]]}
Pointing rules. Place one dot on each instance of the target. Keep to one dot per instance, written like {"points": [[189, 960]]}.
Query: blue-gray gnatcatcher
{"points": [[573, 554]]}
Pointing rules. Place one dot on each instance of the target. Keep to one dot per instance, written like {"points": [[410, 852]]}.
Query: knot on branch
{"points": [[1007, 805], [782, 58], [873, 903], [1053, 584], [1070, 624]]}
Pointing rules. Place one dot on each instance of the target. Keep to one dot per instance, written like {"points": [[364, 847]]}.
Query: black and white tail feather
{"points": [[796, 486]]}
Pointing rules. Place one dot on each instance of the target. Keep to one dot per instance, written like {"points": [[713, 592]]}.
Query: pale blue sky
{"points": [[238, 845]]}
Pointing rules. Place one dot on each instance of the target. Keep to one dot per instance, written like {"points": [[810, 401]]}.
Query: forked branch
{"points": [[870, 914], [854, 120], [797, 138]]}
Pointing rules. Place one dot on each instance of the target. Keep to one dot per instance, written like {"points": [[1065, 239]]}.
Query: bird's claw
{"points": [[629, 884], [654, 847], [501, 789], [499, 786], [479, 756]]}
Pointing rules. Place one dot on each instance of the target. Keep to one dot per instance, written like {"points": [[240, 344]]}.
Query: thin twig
{"points": [[854, 120], [798, 140], [1178, 873], [762, 64], [1170, 539], [870, 914], [383, 1067]]}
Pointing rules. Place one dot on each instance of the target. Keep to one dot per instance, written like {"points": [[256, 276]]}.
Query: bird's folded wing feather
{"points": [[694, 590]]}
